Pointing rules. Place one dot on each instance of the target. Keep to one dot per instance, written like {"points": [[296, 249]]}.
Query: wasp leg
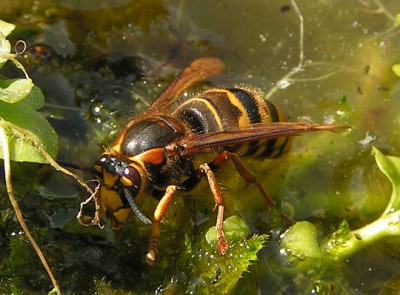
{"points": [[219, 203], [248, 176], [158, 216]]}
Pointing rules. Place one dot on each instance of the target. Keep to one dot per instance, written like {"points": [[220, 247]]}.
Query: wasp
{"points": [[154, 154]]}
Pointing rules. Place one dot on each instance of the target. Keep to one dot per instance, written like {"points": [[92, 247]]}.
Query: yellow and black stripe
{"points": [[225, 109]]}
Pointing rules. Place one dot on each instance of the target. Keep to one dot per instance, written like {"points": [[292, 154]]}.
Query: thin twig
{"points": [[318, 78], [301, 34], [287, 79], [32, 139], [301, 53], [381, 9], [14, 203]]}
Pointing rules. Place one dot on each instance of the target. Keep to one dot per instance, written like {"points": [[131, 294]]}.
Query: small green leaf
{"points": [[390, 166], [301, 241], [5, 46], [396, 69], [5, 49], [219, 274], [208, 272], [25, 117], [12, 91], [232, 265], [398, 18], [235, 229], [35, 98], [6, 28], [300, 245]]}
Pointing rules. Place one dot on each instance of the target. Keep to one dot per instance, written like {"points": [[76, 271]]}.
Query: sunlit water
{"points": [[99, 63]]}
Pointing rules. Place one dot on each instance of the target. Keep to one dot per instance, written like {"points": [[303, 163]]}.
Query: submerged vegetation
{"points": [[75, 79]]}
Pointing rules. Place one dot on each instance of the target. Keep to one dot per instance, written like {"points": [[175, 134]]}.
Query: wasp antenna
{"points": [[143, 218]]}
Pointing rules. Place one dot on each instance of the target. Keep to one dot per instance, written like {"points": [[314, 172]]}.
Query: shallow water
{"points": [[100, 64]]}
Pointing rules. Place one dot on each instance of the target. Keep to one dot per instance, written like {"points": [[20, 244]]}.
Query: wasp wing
{"points": [[210, 141], [197, 71]]}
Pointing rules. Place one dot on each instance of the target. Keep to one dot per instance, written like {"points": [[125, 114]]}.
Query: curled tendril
{"points": [[96, 220], [17, 44]]}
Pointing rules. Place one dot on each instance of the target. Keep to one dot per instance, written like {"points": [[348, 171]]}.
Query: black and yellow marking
{"points": [[224, 109], [156, 153]]}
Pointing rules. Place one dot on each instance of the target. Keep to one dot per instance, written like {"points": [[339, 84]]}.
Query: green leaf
{"points": [[206, 271], [25, 117], [219, 274], [5, 50], [13, 91], [232, 266], [235, 229], [5, 46], [396, 69], [35, 98], [301, 240], [19, 98], [390, 166], [6, 28], [398, 18], [301, 247], [345, 242]]}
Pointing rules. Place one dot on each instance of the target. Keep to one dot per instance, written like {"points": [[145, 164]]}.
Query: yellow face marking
{"points": [[111, 203], [122, 215], [109, 179], [125, 181], [98, 168], [110, 199]]}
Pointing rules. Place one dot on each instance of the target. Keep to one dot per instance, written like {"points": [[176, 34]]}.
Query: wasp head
{"points": [[120, 184]]}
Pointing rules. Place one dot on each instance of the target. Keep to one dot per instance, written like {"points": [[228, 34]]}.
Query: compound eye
{"points": [[130, 177]]}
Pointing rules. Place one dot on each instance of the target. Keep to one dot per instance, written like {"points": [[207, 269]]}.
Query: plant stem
{"points": [[31, 138], [384, 226], [10, 192]]}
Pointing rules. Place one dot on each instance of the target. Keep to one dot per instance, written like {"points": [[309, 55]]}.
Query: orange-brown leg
{"points": [[158, 216], [248, 176], [219, 203], [245, 173], [207, 170]]}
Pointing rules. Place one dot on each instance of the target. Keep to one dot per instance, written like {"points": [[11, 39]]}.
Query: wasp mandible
{"points": [[154, 154]]}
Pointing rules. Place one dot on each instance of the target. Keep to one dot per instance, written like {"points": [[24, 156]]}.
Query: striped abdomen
{"points": [[224, 109]]}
